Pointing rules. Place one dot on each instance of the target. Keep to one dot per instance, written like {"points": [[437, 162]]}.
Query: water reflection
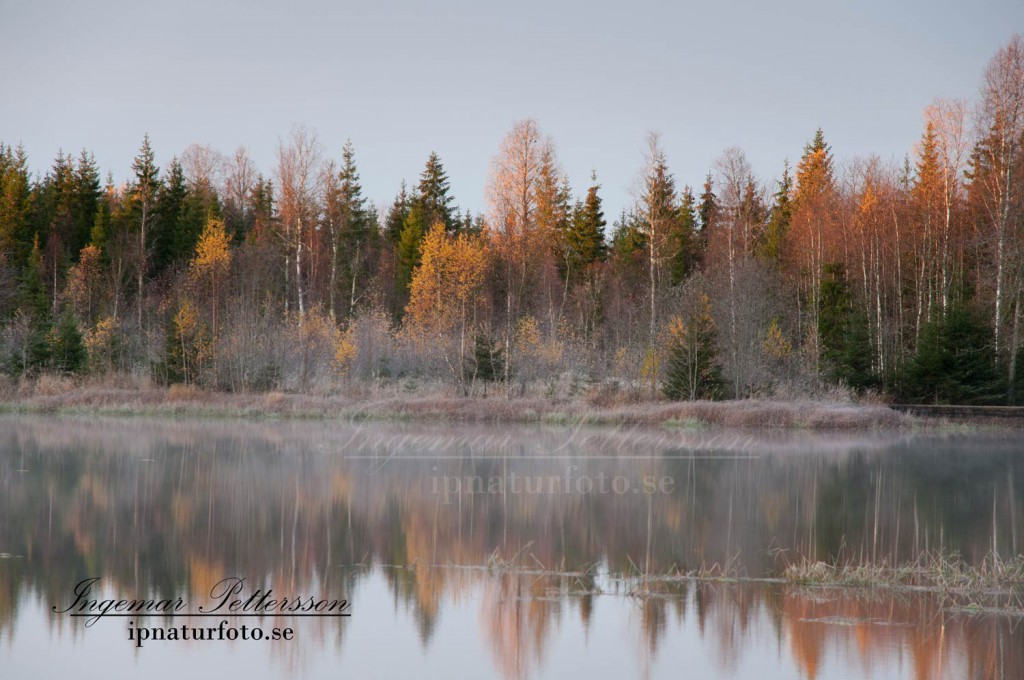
{"points": [[410, 523]]}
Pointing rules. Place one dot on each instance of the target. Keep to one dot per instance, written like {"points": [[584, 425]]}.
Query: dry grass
{"points": [[932, 571], [129, 396]]}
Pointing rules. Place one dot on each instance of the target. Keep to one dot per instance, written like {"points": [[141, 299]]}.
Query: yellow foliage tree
{"points": [[191, 341], [344, 350], [210, 265], [99, 343], [775, 343], [446, 285]]}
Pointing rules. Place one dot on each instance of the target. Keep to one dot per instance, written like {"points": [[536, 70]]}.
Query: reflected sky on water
{"points": [[493, 551]]}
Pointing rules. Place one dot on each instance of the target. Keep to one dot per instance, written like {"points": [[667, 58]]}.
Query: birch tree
{"points": [[299, 183]]}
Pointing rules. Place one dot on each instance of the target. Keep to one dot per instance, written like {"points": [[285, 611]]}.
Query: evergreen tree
{"points": [[34, 300], [67, 352], [685, 250], [553, 214], [35, 305], [146, 173], [142, 195], [394, 222], [955, 361], [584, 240], [627, 236], [87, 196], [103, 222], [352, 222], [408, 253], [693, 370], [487, 363], [432, 195], [171, 211], [814, 173], [768, 245], [262, 199], [707, 211], [843, 333], [15, 205]]}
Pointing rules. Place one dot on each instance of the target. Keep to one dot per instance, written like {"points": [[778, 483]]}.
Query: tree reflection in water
{"points": [[162, 509]]}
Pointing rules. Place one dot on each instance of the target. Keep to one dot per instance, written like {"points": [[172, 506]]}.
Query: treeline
{"points": [[900, 279]]}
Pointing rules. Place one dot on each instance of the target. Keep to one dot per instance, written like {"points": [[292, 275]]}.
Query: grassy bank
{"points": [[62, 396]]}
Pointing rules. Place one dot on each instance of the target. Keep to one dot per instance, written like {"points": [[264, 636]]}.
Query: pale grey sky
{"points": [[404, 78]]}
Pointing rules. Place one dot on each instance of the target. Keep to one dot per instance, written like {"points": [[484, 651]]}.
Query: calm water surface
{"points": [[506, 552]]}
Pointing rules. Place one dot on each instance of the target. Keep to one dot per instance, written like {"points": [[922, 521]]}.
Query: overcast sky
{"points": [[404, 78]]}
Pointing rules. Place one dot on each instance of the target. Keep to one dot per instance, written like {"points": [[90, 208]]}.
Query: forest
{"points": [[900, 281]]}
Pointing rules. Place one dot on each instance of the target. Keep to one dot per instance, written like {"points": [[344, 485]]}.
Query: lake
{"points": [[498, 551]]}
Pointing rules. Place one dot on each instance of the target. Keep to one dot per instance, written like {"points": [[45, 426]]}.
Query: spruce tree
{"points": [[171, 200], [487, 363], [769, 242], [67, 351], [584, 239], [955, 361], [685, 252], [843, 333], [34, 299], [408, 253], [693, 370], [394, 222], [814, 172], [35, 305], [15, 205], [87, 195], [352, 224], [707, 211], [262, 199], [627, 236], [432, 195]]}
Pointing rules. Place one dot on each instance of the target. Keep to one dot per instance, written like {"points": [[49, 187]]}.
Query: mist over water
{"points": [[493, 551]]}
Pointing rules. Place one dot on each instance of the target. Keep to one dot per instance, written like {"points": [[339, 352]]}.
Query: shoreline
{"points": [[748, 413]]}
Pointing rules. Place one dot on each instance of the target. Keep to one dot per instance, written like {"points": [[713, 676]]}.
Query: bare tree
{"points": [[1000, 126], [947, 118], [732, 240], [239, 180], [203, 167], [299, 183]]}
